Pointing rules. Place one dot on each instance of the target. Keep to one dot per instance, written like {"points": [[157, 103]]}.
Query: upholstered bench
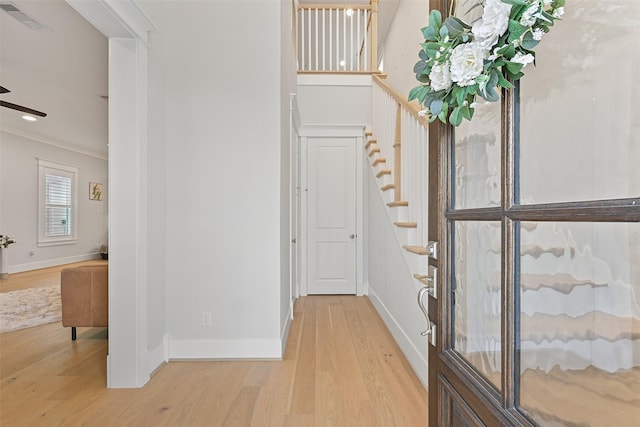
{"points": [[85, 296]]}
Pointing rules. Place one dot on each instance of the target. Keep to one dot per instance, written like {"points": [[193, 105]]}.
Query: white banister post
{"points": [[374, 35]]}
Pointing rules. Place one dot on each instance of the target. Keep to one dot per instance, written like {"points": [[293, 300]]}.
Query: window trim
{"points": [[45, 167]]}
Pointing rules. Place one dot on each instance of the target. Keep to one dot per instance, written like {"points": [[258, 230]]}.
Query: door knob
{"points": [[352, 236]]}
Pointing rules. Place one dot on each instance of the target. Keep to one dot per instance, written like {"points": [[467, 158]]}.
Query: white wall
{"points": [[288, 136], [19, 203], [334, 99], [215, 79], [158, 238], [392, 288], [402, 44]]}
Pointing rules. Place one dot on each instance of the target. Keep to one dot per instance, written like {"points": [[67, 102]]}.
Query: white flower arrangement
{"points": [[459, 62], [6, 241]]}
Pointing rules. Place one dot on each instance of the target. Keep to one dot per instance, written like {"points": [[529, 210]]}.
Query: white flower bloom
{"points": [[523, 59], [440, 77], [494, 55], [547, 2], [423, 113], [493, 24], [558, 12], [466, 63], [538, 33], [528, 17]]}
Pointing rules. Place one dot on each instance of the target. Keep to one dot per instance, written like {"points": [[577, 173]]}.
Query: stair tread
{"points": [[373, 151], [387, 187], [368, 133], [406, 224], [378, 160], [398, 203], [370, 142], [383, 172], [418, 250], [422, 279]]}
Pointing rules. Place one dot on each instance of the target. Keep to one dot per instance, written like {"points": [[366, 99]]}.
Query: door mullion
{"points": [[509, 198]]}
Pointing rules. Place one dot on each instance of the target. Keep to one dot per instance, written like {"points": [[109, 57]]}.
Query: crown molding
{"points": [[58, 144]]}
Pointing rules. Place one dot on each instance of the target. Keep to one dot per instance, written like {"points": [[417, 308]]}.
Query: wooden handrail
{"points": [[411, 107], [335, 6]]}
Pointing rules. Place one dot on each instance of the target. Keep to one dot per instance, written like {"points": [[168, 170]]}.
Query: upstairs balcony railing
{"points": [[336, 38]]}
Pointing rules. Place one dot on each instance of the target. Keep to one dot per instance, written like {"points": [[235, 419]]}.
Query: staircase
{"points": [[398, 157]]}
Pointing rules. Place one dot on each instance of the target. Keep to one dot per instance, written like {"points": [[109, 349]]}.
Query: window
{"points": [[57, 210]]}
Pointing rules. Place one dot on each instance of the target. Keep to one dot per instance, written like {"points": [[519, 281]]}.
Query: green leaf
{"points": [[456, 116], [458, 94], [467, 112], [489, 94], [417, 92], [443, 116], [436, 107], [502, 82], [513, 67], [528, 41], [508, 51], [435, 20], [482, 81], [429, 33], [423, 55], [493, 79], [455, 26], [515, 30], [444, 32], [430, 46]]}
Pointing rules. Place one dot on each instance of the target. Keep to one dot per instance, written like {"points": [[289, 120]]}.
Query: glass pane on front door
{"points": [[477, 159], [477, 294], [580, 107], [580, 323]]}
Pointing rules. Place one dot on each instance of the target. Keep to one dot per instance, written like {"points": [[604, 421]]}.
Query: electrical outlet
{"points": [[206, 318]]}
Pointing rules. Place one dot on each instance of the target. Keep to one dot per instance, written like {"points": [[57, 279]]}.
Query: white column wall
{"points": [[222, 122]]}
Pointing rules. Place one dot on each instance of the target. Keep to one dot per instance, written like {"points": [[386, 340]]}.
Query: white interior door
{"points": [[331, 196]]}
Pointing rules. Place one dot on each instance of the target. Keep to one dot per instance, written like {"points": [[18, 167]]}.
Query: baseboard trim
{"points": [[158, 356], [418, 363], [284, 336], [20, 268], [225, 349]]}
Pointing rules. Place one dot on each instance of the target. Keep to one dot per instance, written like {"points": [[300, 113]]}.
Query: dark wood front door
{"points": [[535, 205]]}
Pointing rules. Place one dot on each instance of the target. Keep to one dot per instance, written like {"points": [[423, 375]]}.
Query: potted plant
{"points": [[5, 241]]}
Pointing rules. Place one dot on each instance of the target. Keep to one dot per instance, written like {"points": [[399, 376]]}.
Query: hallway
{"points": [[341, 367]]}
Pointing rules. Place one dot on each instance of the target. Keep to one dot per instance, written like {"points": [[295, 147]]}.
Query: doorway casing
{"points": [[129, 362], [332, 131]]}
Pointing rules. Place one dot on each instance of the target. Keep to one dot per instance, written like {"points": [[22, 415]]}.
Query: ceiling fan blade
{"points": [[4, 89], [23, 109]]}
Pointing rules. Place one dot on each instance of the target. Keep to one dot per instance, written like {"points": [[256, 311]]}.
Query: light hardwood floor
{"points": [[341, 368]]}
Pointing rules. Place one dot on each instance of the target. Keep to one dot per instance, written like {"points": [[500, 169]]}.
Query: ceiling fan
{"points": [[19, 107]]}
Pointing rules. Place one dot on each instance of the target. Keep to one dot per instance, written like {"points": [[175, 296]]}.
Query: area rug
{"points": [[29, 307]]}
